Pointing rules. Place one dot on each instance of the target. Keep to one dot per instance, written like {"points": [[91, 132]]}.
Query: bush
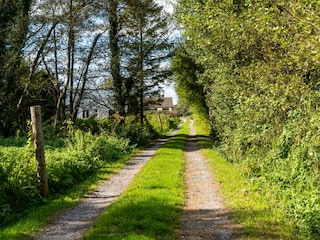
{"points": [[162, 122], [289, 170], [69, 168], [18, 180], [83, 154]]}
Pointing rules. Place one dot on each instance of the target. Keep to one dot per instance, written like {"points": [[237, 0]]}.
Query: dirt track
{"points": [[74, 222], [204, 214]]}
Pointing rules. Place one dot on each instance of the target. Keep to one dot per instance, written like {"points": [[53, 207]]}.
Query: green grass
{"points": [[27, 224], [255, 209], [152, 205]]}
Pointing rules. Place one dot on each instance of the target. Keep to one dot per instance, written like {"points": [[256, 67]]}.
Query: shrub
{"points": [[18, 180], [68, 168], [162, 122], [138, 134], [83, 154]]}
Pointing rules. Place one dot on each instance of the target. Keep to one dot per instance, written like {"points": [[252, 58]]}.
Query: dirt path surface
{"points": [[73, 223], [205, 216]]}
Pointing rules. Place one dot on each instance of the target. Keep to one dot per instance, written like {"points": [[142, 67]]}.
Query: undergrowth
{"points": [[83, 156]]}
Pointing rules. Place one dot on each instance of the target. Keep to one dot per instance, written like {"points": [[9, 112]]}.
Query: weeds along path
{"points": [[205, 216], [75, 221]]}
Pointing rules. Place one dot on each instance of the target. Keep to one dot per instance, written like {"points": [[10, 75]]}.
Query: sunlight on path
{"points": [[73, 223], [205, 216]]}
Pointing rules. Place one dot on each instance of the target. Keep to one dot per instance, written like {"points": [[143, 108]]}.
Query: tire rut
{"points": [[205, 216], [75, 221]]}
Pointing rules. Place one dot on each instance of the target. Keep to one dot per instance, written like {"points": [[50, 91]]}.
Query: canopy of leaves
{"points": [[259, 64]]}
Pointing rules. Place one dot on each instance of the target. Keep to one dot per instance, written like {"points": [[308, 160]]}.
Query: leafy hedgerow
{"points": [[83, 155]]}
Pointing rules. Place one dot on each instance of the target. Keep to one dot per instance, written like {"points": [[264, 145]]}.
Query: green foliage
{"points": [[258, 64], [106, 147], [151, 206], [18, 180], [14, 21], [162, 122], [182, 109], [186, 71], [82, 155], [93, 125], [137, 134]]}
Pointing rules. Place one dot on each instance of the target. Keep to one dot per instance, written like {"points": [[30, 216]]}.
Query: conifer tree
{"points": [[146, 48]]}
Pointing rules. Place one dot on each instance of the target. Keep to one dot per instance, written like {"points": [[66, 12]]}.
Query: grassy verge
{"points": [[152, 205], [27, 224], [260, 215]]}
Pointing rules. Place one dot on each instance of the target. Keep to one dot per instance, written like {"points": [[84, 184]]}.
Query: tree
{"points": [[260, 73], [14, 19], [253, 59], [120, 92], [146, 48], [186, 78], [70, 50]]}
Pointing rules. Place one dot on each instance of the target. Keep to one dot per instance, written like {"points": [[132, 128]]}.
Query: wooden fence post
{"points": [[39, 149]]}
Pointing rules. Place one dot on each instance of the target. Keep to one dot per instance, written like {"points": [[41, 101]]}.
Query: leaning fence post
{"points": [[39, 149]]}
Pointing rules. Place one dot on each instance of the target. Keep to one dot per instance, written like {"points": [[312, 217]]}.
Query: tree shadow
{"points": [[210, 224], [176, 144], [200, 141], [204, 142], [155, 218], [144, 217]]}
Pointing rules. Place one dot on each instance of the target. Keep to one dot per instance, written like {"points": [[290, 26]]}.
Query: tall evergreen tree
{"points": [[121, 84], [146, 48]]}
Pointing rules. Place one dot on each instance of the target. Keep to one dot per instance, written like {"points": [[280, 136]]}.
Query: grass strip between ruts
{"points": [[151, 207], [258, 213]]}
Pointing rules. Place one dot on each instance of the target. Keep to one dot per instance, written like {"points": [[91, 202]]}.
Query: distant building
{"points": [[159, 103], [93, 104]]}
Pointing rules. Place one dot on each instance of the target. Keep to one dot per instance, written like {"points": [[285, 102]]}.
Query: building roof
{"points": [[154, 103]]}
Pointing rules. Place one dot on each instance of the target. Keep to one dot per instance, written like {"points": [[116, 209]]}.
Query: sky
{"points": [[169, 91]]}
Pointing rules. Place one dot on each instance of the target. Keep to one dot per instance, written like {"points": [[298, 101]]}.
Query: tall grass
{"points": [[83, 156]]}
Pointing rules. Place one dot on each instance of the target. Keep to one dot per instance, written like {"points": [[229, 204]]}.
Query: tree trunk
{"points": [[119, 88], [85, 78], [63, 94], [141, 77]]}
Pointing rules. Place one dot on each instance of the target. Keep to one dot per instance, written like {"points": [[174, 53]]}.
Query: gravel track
{"points": [[75, 221], [205, 216]]}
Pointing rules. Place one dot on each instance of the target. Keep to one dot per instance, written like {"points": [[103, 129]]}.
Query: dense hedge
{"points": [[258, 65]]}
